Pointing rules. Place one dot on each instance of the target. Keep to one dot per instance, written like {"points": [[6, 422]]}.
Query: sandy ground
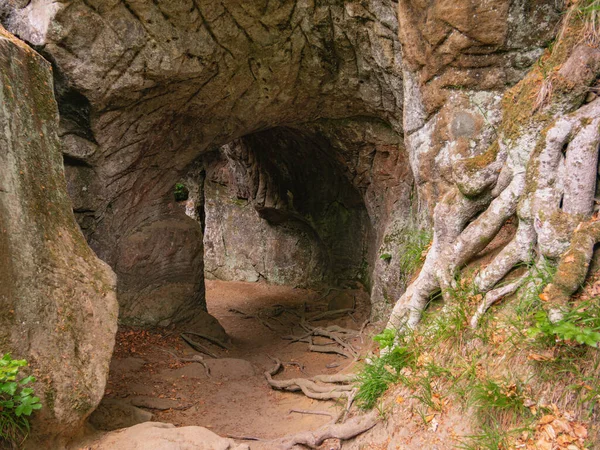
{"points": [[235, 400]]}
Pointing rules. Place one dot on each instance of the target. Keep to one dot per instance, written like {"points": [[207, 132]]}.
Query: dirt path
{"points": [[235, 400]]}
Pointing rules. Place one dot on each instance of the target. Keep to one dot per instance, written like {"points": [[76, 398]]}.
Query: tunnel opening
{"points": [[276, 206], [289, 247]]}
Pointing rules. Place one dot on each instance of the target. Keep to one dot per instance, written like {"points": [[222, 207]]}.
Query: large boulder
{"points": [[58, 307], [162, 436]]}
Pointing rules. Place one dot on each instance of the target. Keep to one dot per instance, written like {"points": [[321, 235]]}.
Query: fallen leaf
{"points": [[548, 418], [580, 431]]}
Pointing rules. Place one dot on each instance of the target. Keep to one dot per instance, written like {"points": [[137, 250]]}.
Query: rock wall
{"points": [[146, 87], [58, 307], [279, 207], [458, 59]]}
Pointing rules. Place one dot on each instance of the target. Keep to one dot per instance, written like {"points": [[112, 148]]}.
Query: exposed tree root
{"points": [[211, 339], [326, 294], [327, 348], [197, 346], [343, 431], [494, 296], [313, 412], [321, 387], [543, 168], [196, 359], [335, 333], [253, 316], [572, 269], [333, 430], [331, 314]]}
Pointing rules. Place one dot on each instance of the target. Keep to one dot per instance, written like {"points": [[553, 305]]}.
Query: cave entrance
{"points": [[277, 206], [288, 244]]}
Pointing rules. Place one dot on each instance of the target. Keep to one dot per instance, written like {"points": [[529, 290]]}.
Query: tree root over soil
{"points": [[337, 335], [320, 387], [541, 167], [342, 431], [196, 359]]}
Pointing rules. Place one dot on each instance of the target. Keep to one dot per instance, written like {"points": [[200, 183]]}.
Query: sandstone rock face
{"points": [[58, 307], [146, 87], [458, 59], [289, 215]]}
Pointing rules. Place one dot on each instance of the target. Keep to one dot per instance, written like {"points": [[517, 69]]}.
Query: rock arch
{"points": [[146, 88]]}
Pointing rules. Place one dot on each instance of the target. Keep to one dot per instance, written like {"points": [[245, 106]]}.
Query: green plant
{"points": [[580, 325], [386, 257], [589, 393], [491, 398], [386, 338], [17, 402], [539, 275], [414, 243], [492, 436], [452, 320], [376, 376], [589, 10], [181, 193]]}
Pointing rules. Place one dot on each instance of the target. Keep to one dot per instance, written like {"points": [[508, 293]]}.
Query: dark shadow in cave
{"points": [[280, 208]]}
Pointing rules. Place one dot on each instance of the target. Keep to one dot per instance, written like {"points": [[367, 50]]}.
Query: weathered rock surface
{"points": [[459, 57], [163, 436], [148, 86], [292, 94], [279, 207], [57, 299]]}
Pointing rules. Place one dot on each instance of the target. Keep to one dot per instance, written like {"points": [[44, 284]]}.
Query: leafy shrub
{"points": [[17, 402]]}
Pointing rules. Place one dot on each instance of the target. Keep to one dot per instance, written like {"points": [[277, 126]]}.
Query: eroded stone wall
{"points": [[280, 208], [148, 86], [58, 307]]}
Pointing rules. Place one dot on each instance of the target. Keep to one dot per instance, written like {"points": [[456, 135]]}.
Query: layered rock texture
{"points": [[58, 307], [146, 88], [309, 106], [310, 135]]}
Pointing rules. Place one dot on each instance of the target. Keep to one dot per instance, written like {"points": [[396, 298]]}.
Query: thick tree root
{"points": [[320, 387], [543, 169], [343, 431], [572, 269], [494, 296], [336, 334]]}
